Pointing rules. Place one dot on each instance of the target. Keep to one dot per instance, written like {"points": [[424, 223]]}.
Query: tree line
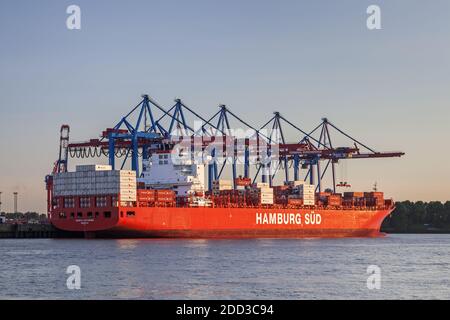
{"points": [[24, 215], [413, 217]]}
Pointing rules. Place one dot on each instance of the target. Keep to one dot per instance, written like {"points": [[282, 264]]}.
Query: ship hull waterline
{"points": [[222, 223]]}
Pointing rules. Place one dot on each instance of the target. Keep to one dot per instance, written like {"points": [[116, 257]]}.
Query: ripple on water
{"points": [[412, 266]]}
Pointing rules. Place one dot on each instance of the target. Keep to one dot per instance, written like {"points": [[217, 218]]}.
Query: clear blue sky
{"points": [[307, 59]]}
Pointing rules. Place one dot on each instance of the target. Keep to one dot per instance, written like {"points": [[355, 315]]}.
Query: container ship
{"points": [[112, 203], [164, 198]]}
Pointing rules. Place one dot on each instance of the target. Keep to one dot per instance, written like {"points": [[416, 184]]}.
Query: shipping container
{"points": [[353, 194], [374, 195], [93, 167], [243, 182], [295, 201]]}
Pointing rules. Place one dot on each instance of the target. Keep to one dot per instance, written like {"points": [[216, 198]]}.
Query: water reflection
{"points": [[126, 244]]}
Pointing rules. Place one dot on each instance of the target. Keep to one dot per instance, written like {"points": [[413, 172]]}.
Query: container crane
{"points": [[156, 128]]}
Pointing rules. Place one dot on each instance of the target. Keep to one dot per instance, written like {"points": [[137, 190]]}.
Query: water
{"points": [[412, 266]]}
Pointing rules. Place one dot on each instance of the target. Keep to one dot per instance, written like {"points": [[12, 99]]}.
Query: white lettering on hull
{"points": [[288, 218]]}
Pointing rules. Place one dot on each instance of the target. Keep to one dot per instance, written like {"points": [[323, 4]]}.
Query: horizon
{"points": [[307, 60]]}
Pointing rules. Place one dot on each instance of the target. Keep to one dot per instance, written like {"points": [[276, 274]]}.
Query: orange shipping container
{"points": [[353, 194]]}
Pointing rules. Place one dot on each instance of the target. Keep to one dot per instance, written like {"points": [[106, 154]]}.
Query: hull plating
{"points": [[169, 222]]}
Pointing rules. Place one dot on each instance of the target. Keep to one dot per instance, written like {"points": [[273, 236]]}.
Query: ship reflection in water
{"points": [[412, 266]]}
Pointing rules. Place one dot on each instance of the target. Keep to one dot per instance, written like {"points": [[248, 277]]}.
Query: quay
{"points": [[16, 231]]}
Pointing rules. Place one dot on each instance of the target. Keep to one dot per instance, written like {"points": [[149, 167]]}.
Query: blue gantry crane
{"points": [[148, 127]]}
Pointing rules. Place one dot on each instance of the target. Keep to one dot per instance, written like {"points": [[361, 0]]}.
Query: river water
{"points": [[410, 267]]}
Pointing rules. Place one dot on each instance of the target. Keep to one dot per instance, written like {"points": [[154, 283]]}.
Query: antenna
{"points": [[15, 201], [375, 187], [1, 201]]}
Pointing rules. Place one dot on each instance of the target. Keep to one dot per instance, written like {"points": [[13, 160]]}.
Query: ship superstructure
{"points": [[184, 177]]}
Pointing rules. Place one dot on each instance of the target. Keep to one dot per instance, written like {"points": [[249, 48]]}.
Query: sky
{"points": [[306, 59]]}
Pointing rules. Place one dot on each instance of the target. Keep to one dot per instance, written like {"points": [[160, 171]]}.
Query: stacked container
{"points": [[352, 199], [266, 195], [334, 200], [262, 193], [146, 195], [90, 180], [349, 195], [374, 199], [243, 182], [127, 184], [221, 185], [295, 200], [281, 194], [306, 192], [165, 196]]}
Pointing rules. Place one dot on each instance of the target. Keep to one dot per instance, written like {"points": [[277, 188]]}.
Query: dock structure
{"points": [[30, 231]]}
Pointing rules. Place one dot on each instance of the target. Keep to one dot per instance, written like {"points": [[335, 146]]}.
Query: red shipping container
{"points": [[144, 192], [295, 201], [146, 198], [243, 182]]}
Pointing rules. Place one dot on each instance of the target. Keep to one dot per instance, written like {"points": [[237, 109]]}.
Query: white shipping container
{"points": [[307, 195], [125, 178], [127, 190], [124, 198], [95, 182], [92, 167], [128, 185], [262, 185]]}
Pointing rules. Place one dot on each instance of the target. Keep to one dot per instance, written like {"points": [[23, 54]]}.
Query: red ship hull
{"points": [[173, 222]]}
